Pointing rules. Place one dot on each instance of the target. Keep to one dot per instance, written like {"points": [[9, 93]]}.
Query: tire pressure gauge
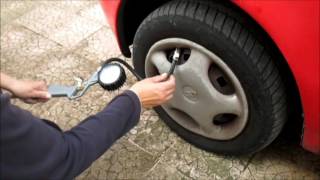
{"points": [[111, 76]]}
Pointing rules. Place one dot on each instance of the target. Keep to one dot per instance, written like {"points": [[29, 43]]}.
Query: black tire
{"points": [[224, 31]]}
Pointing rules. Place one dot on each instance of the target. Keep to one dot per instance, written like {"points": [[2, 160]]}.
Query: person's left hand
{"points": [[30, 91]]}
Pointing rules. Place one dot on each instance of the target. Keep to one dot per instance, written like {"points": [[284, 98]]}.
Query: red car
{"points": [[246, 67]]}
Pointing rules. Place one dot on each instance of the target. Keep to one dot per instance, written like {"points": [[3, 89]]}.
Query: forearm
{"points": [[55, 155], [6, 82], [96, 134]]}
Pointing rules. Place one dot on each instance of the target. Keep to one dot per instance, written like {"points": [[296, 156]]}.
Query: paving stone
{"points": [[99, 46], [59, 25], [20, 46], [122, 161], [152, 134], [285, 160], [194, 163], [95, 13], [10, 10], [71, 6], [163, 171]]}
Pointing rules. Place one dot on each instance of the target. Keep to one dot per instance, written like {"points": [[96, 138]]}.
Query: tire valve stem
{"points": [[175, 60]]}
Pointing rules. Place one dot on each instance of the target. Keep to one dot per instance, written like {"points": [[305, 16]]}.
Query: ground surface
{"points": [[56, 40]]}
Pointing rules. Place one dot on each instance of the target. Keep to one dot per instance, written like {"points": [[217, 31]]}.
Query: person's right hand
{"points": [[154, 91]]}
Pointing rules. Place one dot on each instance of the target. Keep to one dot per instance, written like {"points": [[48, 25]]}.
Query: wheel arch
{"points": [[129, 20]]}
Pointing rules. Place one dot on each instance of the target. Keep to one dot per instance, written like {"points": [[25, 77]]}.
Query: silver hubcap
{"points": [[209, 99]]}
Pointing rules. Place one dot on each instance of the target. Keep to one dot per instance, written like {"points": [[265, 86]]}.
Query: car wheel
{"points": [[229, 95]]}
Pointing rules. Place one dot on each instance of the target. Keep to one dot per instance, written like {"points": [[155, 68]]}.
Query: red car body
{"points": [[294, 28]]}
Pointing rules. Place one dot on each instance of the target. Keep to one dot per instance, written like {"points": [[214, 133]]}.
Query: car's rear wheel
{"points": [[230, 97]]}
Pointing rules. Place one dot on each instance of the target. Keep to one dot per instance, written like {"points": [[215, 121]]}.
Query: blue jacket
{"points": [[32, 149]]}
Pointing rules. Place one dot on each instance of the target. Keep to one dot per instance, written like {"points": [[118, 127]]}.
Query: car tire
{"points": [[222, 30]]}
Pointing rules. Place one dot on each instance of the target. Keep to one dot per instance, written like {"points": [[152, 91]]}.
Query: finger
{"points": [[44, 86], [169, 97], [41, 85], [159, 78], [37, 100], [148, 106], [41, 94], [30, 101], [153, 104], [172, 79], [170, 92], [156, 78], [170, 84], [42, 100]]}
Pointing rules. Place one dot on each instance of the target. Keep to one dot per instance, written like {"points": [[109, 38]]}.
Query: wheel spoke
{"points": [[197, 64], [204, 111], [198, 111], [223, 104], [159, 60]]}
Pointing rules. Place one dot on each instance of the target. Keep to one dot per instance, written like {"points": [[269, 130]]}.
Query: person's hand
{"points": [[154, 91], [30, 91]]}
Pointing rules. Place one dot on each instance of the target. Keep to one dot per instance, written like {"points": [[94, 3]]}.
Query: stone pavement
{"points": [[56, 40]]}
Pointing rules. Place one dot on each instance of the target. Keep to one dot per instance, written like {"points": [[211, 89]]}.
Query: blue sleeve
{"points": [[31, 149]]}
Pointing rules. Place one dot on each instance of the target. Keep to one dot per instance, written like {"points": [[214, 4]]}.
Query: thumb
{"points": [[41, 94], [159, 78]]}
